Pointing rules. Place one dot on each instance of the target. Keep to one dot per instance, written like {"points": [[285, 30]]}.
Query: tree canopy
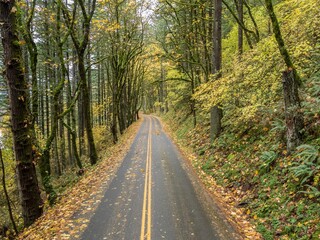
{"points": [[245, 72]]}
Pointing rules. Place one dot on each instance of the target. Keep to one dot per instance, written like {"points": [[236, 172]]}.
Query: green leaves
{"points": [[309, 153], [269, 158], [309, 165]]}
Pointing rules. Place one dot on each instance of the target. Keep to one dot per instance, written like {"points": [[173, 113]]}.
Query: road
{"points": [[152, 196]]}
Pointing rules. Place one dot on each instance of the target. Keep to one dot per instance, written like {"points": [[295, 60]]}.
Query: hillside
{"points": [[278, 191]]}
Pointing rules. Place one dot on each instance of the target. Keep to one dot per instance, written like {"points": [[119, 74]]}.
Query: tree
{"points": [[81, 44], [6, 191], [216, 111], [291, 82], [21, 119], [239, 4], [26, 27]]}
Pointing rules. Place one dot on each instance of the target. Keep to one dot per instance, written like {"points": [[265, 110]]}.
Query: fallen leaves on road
{"points": [[70, 217]]}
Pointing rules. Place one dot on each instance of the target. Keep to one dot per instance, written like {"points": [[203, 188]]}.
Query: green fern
{"points": [[312, 191], [278, 126], [268, 157], [308, 153], [306, 169]]}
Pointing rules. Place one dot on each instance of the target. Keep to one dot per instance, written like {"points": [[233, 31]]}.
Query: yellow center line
{"points": [[147, 191]]}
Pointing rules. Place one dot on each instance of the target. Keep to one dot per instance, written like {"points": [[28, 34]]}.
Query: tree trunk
{"points": [[294, 118], [4, 186], [240, 30], [291, 82], [216, 116], [21, 121], [114, 129], [216, 111], [86, 108]]}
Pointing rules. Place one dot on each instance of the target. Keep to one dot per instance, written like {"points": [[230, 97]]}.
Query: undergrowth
{"points": [[279, 192]]}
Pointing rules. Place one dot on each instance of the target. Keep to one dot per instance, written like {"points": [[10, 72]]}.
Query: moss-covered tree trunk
{"points": [[291, 82], [86, 107], [33, 53], [21, 120]]}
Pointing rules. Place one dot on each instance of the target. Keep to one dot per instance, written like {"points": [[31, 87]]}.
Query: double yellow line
{"points": [[146, 209]]}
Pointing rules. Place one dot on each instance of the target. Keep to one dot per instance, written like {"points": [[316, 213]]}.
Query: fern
{"points": [[306, 169], [308, 152], [268, 157], [312, 191], [278, 126]]}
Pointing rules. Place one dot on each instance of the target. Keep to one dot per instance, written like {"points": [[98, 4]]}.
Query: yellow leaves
{"points": [[103, 1], [58, 222], [21, 98], [14, 10], [105, 25], [22, 42]]}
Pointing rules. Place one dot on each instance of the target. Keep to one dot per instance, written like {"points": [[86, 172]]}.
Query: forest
{"points": [[237, 82]]}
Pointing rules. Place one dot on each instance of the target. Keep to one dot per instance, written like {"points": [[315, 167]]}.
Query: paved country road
{"points": [[152, 196]]}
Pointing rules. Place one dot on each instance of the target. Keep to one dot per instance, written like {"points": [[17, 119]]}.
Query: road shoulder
{"points": [[212, 195], [71, 215]]}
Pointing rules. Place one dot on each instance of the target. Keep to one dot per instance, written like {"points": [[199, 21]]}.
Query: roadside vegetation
{"points": [[279, 191], [238, 81]]}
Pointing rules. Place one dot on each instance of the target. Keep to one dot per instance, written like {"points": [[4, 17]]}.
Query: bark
{"points": [[33, 54], [291, 82], [99, 120], [47, 70], [216, 111], [6, 193], [240, 30], [86, 107], [217, 37], [114, 129], [293, 115], [216, 116], [21, 121], [277, 33], [81, 121], [44, 163], [74, 145]]}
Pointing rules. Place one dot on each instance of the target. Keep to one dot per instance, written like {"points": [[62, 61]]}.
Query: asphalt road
{"points": [[152, 196]]}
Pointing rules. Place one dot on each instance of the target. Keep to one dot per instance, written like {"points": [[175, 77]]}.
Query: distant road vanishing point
{"points": [[152, 196]]}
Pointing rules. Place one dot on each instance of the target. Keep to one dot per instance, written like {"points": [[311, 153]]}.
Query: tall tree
{"points": [[81, 43], [216, 111], [239, 4], [21, 120], [33, 55], [291, 82]]}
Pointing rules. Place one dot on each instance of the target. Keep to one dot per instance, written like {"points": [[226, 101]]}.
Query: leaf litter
{"points": [[71, 215]]}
